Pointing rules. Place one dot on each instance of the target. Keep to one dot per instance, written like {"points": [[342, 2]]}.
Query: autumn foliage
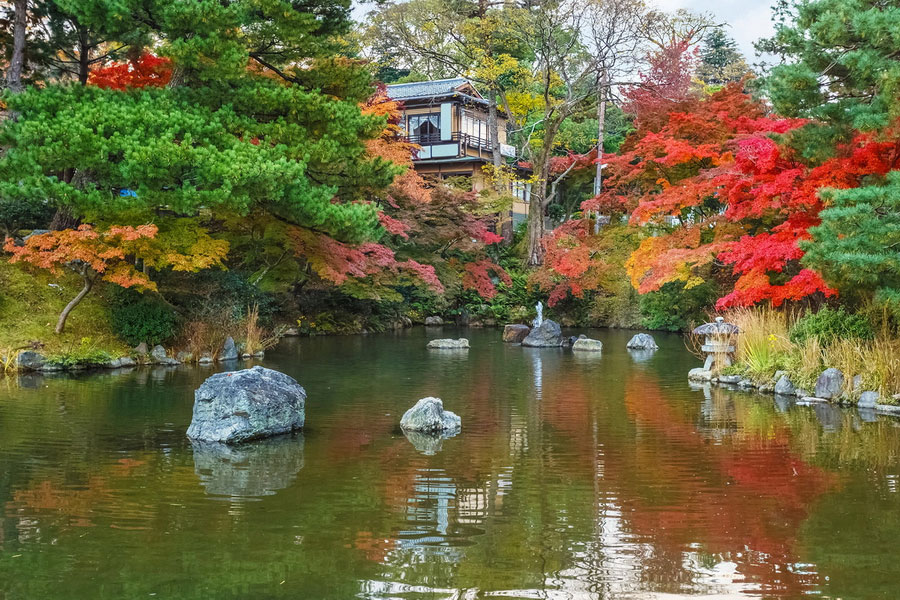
{"points": [[110, 255], [146, 71]]}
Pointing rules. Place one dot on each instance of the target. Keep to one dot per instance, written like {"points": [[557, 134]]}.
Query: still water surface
{"points": [[574, 477]]}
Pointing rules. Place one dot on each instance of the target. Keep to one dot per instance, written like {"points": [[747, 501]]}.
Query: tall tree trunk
{"points": [[89, 277], [539, 199], [84, 56], [17, 61], [601, 134]]}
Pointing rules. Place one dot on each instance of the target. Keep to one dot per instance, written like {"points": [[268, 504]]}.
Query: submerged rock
{"points": [[514, 334], [433, 321], [730, 379], [548, 335], [448, 344], [785, 387], [642, 341], [829, 385], [244, 405], [428, 416], [587, 345], [30, 361]]}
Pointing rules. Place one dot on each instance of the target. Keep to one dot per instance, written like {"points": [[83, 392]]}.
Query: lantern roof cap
{"points": [[719, 327]]}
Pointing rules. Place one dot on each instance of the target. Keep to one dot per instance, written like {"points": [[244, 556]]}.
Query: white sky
{"points": [[748, 20]]}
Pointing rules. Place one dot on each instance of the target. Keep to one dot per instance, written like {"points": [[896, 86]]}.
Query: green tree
{"points": [[720, 60]]}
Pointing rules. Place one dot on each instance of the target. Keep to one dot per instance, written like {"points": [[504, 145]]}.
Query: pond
{"points": [[574, 477]]}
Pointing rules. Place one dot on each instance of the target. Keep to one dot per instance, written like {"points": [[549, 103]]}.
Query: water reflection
{"points": [[570, 479], [248, 470], [428, 444]]}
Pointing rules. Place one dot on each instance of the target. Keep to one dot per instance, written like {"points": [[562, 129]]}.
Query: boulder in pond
{"points": [[448, 344], [829, 385], [587, 345], [642, 341], [428, 416], [229, 350], [30, 361], [785, 387], [433, 321], [548, 335], [514, 334], [244, 405]]}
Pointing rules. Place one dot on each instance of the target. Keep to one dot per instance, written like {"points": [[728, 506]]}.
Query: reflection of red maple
{"points": [[747, 498]]}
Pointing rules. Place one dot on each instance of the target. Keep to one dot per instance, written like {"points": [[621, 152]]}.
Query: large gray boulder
{"points": [[30, 361], [785, 387], [548, 335], [429, 416], [447, 344], [830, 384], [642, 341], [587, 345], [514, 334], [245, 405], [229, 350]]}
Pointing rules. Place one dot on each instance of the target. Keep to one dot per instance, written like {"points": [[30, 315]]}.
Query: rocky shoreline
{"points": [[829, 388]]}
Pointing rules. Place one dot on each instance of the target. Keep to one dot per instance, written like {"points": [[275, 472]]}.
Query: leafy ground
{"points": [[30, 305]]}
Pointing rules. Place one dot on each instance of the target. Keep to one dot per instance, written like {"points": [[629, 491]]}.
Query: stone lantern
{"points": [[717, 345]]}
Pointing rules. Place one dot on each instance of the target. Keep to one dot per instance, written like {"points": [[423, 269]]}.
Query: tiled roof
{"points": [[441, 87]]}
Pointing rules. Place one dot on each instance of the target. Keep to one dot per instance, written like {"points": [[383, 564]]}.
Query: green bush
{"points": [[84, 354], [674, 308], [138, 318], [831, 324]]}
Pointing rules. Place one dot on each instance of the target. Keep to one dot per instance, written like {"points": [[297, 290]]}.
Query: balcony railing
{"points": [[464, 139]]}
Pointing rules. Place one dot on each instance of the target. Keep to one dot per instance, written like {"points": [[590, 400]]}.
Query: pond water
{"points": [[574, 477]]}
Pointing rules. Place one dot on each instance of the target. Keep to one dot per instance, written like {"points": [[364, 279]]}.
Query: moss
{"points": [[30, 303]]}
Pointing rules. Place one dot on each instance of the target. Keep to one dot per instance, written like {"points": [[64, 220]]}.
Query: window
{"points": [[476, 128], [424, 129]]}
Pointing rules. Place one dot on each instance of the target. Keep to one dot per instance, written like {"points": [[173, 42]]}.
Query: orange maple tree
{"points": [[111, 255]]}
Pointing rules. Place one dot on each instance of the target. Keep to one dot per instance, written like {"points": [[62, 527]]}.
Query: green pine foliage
{"points": [[829, 325]]}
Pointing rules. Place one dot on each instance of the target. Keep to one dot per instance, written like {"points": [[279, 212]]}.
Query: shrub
{"points": [[85, 353], [674, 308], [829, 325], [140, 318]]}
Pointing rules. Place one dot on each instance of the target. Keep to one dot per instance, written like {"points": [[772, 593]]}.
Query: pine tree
{"points": [[720, 60]]}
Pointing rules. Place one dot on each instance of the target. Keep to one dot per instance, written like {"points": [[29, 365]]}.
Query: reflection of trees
{"points": [[616, 479]]}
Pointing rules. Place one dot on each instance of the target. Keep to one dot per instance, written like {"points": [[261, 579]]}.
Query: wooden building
{"points": [[448, 119]]}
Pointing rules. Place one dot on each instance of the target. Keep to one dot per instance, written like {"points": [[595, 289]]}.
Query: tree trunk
{"points": [[539, 199], [493, 126], [17, 61], [84, 56], [601, 134], [88, 277]]}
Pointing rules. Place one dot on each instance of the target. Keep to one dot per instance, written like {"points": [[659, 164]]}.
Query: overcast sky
{"points": [[748, 20]]}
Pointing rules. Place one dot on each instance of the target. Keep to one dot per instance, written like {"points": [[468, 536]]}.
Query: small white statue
{"points": [[539, 319]]}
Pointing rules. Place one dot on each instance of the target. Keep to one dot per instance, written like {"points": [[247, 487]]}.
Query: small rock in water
{"points": [[127, 361], [158, 353], [428, 416], [448, 344], [514, 334], [868, 400], [830, 384], [785, 387], [30, 361], [548, 335], [244, 405], [700, 374], [433, 321], [587, 345], [642, 341], [229, 350], [730, 379]]}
